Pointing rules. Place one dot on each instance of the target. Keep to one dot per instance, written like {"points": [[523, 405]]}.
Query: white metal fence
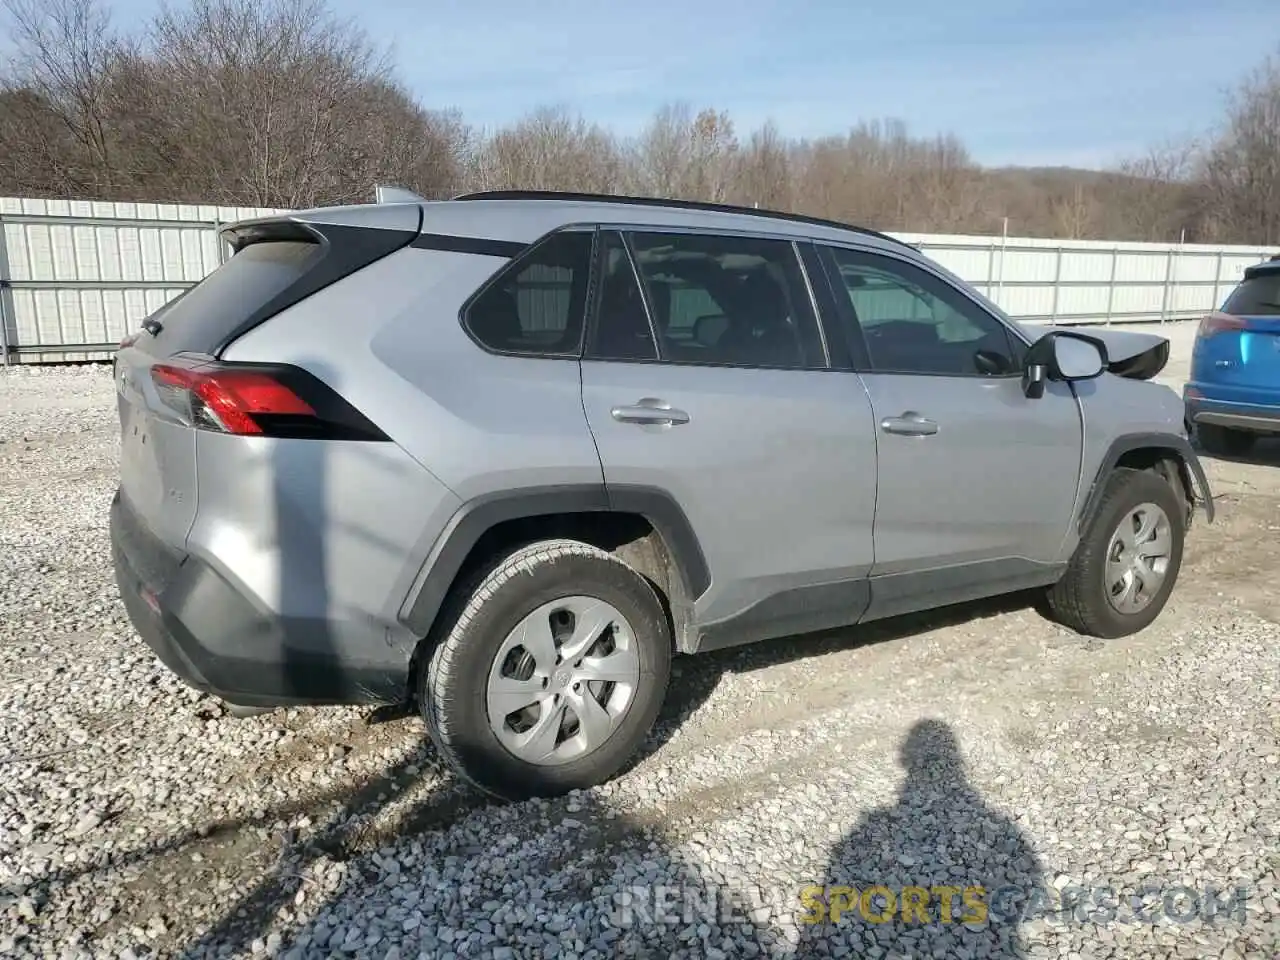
{"points": [[1094, 281], [76, 277]]}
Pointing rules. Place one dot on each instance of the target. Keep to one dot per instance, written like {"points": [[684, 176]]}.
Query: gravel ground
{"points": [[1112, 800]]}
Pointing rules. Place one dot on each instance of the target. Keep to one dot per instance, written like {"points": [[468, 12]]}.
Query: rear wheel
{"points": [[1127, 562], [1223, 441], [553, 673]]}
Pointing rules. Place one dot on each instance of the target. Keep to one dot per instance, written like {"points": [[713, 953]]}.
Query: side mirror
{"points": [[1062, 355]]}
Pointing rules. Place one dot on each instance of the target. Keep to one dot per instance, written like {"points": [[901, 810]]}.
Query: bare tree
{"points": [[65, 50], [661, 154], [763, 176], [713, 151], [1074, 214], [686, 155], [438, 170], [277, 102], [817, 169], [943, 184], [38, 157], [1242, 167], [281, 103], [1154, 195], [550, 149]]}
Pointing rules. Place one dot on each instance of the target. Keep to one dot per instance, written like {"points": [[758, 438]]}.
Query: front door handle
{"points": [[909, 424], [649, 410]]}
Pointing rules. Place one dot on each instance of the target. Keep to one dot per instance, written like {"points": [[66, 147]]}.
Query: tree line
{"points": [[278, 103]]}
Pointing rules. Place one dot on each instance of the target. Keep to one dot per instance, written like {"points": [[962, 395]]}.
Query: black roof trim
{"points": [[480, 246], [678, 205], [1265, 268]]}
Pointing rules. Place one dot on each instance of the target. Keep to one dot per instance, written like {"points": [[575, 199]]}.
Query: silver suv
{"points": [[504, 456]]}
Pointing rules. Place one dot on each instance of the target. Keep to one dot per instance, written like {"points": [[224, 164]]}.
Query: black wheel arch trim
{"points": [[480, 515], [1129, 442]]}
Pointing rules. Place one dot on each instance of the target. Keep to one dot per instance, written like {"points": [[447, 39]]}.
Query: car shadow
{"points": [[698, 676], [939, 872], [1264, 453], [589, 877]]}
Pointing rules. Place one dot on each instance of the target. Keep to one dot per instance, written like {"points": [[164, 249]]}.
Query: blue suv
{"points": [[1233, 396]]}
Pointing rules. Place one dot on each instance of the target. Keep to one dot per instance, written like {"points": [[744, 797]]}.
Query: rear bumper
{"points": [[1203, 407], [219, 641]]}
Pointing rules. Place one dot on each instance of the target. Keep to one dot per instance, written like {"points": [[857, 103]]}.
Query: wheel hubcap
{"points": [[563, 680], [1138, 558]]}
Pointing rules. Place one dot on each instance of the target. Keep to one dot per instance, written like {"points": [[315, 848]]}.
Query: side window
{"points": [[728, 300], [622, 330], [913, 322], [537, 305]]}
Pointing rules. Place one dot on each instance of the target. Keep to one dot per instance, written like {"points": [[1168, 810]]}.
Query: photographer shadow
{"points": [[938, 873]]}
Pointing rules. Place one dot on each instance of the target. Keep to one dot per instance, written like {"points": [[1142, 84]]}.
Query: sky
{"points": [[1026, 82]]}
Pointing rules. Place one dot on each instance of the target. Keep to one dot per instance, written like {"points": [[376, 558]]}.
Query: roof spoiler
{"points": [[386, 193]]}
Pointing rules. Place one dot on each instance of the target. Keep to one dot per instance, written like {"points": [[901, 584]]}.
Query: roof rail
{"points": [[677, 204]]}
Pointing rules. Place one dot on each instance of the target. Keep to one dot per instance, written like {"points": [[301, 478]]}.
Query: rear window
{"points": [[199, 319], [1257, 296]]}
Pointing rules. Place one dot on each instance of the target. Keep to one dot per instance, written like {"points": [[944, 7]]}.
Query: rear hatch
{"points": [[170, 383], [1240, 345]]}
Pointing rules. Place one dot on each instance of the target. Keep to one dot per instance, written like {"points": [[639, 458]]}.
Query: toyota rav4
{"points": [[505, 456]]}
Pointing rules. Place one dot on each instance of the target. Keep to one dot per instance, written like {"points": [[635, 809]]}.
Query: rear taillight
{"points": [[1219, 323], [254, 400], [227, 400]]}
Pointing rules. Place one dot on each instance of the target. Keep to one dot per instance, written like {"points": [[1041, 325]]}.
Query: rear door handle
{"points": [[909, 424], [649, 410]]}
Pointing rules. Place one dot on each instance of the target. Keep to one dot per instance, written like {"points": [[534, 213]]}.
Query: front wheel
{"points": [[1127, 561], [552, 675]]}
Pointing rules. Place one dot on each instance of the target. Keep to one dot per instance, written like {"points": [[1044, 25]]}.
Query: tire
{"points": [[1223, 441], [1081, 600], [546, 579]]}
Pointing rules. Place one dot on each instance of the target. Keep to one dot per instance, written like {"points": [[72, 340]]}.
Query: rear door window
{"points": [[1257, 296], [731, 300], [622, 330]]}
